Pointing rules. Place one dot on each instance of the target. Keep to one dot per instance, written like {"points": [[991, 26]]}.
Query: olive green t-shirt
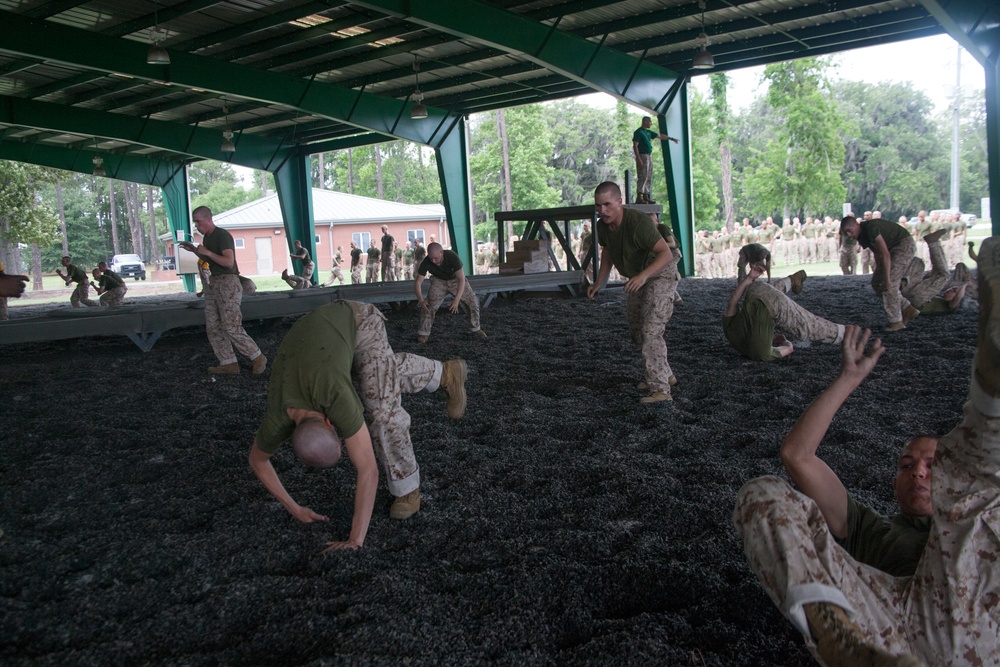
{"points": [[110, 280], [935, 306], [890, 232], [76, 274], [893, 545], [631, 245], [751, 331], [446, 270], [218, 242], [755, 253], [312, 371]]}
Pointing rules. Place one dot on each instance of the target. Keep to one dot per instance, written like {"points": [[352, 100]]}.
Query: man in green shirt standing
{"points": [[74, 274], [631, 244], [223, 296], [373, 256], [445, 268], [893, 248], [312, 401], [920, 587], [408, 262], [642, 149]]}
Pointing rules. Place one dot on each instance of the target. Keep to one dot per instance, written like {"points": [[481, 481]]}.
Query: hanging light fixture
{"points": [[419, 111], [227, 135], [157, 55], [703, 59], [99, 169]]}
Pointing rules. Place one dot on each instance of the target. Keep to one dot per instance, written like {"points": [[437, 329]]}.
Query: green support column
{"points": [[675, 122], [992, 68], [453, 170], [293, 182], [175, 198]]}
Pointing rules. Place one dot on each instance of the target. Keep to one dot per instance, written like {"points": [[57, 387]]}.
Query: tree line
{"points": [[803, 147]]}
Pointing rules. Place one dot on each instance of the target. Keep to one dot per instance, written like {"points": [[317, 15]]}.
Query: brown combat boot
{"points": [[797, 279], [225, 369], [839, 641], [656, 397], [909, 313], [406, 506], [453, 374], [259, 364]]}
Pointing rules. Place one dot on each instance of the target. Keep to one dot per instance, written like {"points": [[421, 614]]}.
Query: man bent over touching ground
{"points": [[311, 398]]}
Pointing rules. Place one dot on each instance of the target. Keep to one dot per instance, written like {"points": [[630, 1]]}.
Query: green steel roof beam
{"points": [[251, 151], [82, 48], [599, 67], [120, 167], [972, 23]]}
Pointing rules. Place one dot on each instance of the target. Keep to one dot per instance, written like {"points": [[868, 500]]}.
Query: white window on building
{"points": [[362, 239], [415, 234], [239, 244], [317, 239]]}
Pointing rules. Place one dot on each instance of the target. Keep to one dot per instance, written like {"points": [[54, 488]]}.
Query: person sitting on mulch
{"points": [[750, 330]]}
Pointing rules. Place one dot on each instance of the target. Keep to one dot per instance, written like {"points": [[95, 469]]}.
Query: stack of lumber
{"points": [[527, 257]]}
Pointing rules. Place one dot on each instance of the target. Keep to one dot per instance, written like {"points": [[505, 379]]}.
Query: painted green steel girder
{"points": [[120, 167], [251, 151], [453, 172], [59, 43], [177, 201], [293, 184], [599, 67], [677, 166]]}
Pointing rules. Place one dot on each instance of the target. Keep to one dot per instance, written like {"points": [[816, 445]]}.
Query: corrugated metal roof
{"points": [[329, 207]]}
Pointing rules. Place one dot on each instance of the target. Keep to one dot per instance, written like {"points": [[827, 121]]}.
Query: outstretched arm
{"points": [[603, 274], [798, 452], [418, 280], [733, 307], [260, 463], [362, 455], [456, 301]]}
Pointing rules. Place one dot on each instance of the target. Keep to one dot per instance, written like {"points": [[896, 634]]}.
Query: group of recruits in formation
{"points": [[817, 241], [921, 587]]}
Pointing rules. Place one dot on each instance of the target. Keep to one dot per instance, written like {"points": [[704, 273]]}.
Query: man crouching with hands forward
{"points": [[311, 398]]}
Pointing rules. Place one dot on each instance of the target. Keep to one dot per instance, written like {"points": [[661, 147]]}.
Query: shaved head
{"points": [[316, 444]]}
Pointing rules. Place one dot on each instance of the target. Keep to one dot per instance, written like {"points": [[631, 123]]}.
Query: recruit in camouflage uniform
{"points": [[447, 278], [631, 243], [81, 293], [223, 295], [936, 604], [335, 272], [893, 244], [110, 287]]}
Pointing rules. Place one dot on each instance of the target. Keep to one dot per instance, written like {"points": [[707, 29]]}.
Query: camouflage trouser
{"points": [[793, 318], [113, 298], [386, 270], [335, 274], [372, 273], [356, 275], [307, 270], [297, 282], [408, 272], [435, 296], [648, 312], [4, 315], [893, 301], [383, 377], [849, 260], [224, 320], [922, 287], [249, 286], [867, 260], [947, 612], [81, 295], [643, 173], [701, 265]]}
